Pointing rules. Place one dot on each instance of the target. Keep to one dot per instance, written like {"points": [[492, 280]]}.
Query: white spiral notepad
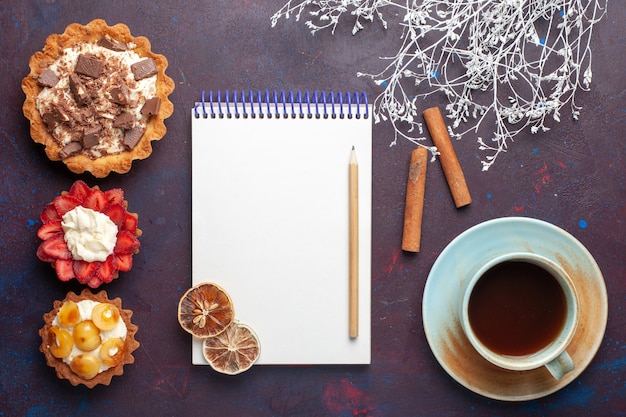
{"points": [[270, 218]]}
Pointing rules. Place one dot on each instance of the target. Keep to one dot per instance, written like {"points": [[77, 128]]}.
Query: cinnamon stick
{"points": [[414, 207], [449, 162]]}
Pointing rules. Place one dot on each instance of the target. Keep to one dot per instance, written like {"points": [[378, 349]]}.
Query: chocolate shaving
{"points": [[70, 149], [144, 68], [119, 95], [62, 112], [132, 137], [55, 116], [78, 90], [89, 66], [47, 78], [50, 119], [124, 120], [151, 107], [112, 44], [91, 136], [83, 114]]}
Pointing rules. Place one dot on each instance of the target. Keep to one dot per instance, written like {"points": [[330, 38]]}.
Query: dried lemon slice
{"points": [[234, 350], [205, 310]]}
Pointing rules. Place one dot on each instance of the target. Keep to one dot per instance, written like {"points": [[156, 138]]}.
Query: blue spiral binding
{"points": [[301, 114], [276, 105], [293, 110]]}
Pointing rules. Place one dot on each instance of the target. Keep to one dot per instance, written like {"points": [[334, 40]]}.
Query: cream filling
{"points": [[90, 235], [85, 307]]}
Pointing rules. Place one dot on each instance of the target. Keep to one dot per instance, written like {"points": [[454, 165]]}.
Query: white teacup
{"points": [[520, 312]]}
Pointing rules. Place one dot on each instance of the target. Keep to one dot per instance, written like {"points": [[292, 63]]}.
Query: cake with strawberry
{"points": [[88, 338], [88, 234], [96, 97]]}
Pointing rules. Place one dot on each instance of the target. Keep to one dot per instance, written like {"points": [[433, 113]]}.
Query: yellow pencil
{"points": [[354, 244]]}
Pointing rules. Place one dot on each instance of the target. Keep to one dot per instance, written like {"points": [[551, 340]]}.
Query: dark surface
{"points": [[572, 176]]}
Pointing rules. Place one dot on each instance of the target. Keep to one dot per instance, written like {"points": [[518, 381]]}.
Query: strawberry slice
{"points": [[65, 203], [48, 229], [124, 262], [54, 248], [130, 223], [114, 196], [43, 256], [49, 213], [94, 282], [107, 270], [126, 243], [85, 270], [65, 269], [116, 213], [80, 190], [95, 201]]}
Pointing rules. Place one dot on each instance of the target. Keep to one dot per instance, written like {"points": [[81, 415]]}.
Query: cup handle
{"points": [[561, 365]]}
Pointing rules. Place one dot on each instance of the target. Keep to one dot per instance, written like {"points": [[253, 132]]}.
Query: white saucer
{"points": [[462, 257]]}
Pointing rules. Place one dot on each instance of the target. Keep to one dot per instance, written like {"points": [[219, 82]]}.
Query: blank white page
{"points": [[270, 225]]}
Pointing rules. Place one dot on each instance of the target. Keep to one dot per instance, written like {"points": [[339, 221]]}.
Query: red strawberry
{"points": [[116, 213], [106, 270], [41, 255], [65, 203], [114, 196], [48, 229], [85, 270], [130, 223], [54, 248], [124, 262], [94, 282], [95, 201], [126, 243], [49, 213], [80, 190], [64, 268]]}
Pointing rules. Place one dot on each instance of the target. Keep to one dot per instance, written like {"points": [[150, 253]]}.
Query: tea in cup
{"points": [[520, 312]]}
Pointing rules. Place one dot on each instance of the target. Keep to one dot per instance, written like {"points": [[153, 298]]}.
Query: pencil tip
{"points": [[353, 156]]}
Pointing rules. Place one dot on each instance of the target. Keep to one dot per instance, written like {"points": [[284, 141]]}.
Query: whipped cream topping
{"points": [[117, 72], [90, 235], [85, 307]]}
